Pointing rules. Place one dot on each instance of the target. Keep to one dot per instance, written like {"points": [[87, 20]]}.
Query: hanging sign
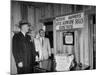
{"points": [[70, 21]]}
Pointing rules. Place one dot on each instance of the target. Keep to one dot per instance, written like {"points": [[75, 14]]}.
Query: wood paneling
{"points": [[84, 44], [54, 36], [15, 16], [76, 46], [86, 35], [24, 12], [37, 18], [91, 41], [31, 17], [57, 10]]}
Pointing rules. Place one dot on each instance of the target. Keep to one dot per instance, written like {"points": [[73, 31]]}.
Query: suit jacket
{"points": [[23, 50], [44, 50]]}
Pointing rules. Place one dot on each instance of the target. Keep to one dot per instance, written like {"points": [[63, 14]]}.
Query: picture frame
{"points": [[68, 38]]}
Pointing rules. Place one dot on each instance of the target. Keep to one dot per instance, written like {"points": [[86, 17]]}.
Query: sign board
{"points": [[70, 21]]}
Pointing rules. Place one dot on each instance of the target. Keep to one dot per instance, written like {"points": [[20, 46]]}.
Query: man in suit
{"points": [[23, 50], [45, 50]]}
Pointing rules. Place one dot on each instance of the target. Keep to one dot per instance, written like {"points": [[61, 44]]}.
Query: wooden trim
{"points": [[54, 36], [90, 42]]}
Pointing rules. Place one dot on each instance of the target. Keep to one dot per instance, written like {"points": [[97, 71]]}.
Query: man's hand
{"points": [[20, 64]]}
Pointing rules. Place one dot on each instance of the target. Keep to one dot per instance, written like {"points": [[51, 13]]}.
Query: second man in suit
{"points": [[45, 49]]}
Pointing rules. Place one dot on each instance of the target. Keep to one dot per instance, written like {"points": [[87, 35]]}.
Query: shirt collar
{"points": [[23, 33]]}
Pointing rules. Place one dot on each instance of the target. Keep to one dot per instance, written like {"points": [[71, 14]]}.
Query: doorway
{"points": [[49, 34]]}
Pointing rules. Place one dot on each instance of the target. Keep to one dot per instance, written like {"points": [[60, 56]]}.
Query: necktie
{"points": [[42, 42]]}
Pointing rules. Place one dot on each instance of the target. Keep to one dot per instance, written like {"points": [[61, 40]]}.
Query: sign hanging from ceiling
{"points": [[70, 21]]}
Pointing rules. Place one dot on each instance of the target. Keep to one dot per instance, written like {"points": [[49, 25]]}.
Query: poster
{"points": [[68, 38]]}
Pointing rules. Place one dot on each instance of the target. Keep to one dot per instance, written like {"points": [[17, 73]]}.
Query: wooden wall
{"points": [[15, 18], [34, 12], [15, 15], [84, 48]]}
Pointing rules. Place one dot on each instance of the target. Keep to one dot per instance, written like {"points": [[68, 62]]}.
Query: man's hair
{"points": [[21, 24], [41, 30]]}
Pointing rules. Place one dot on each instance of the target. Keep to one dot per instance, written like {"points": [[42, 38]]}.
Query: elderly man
{"points": [[22, 50]]}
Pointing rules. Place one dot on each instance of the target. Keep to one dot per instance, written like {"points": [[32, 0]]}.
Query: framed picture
{"points": [[68, 38]]}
